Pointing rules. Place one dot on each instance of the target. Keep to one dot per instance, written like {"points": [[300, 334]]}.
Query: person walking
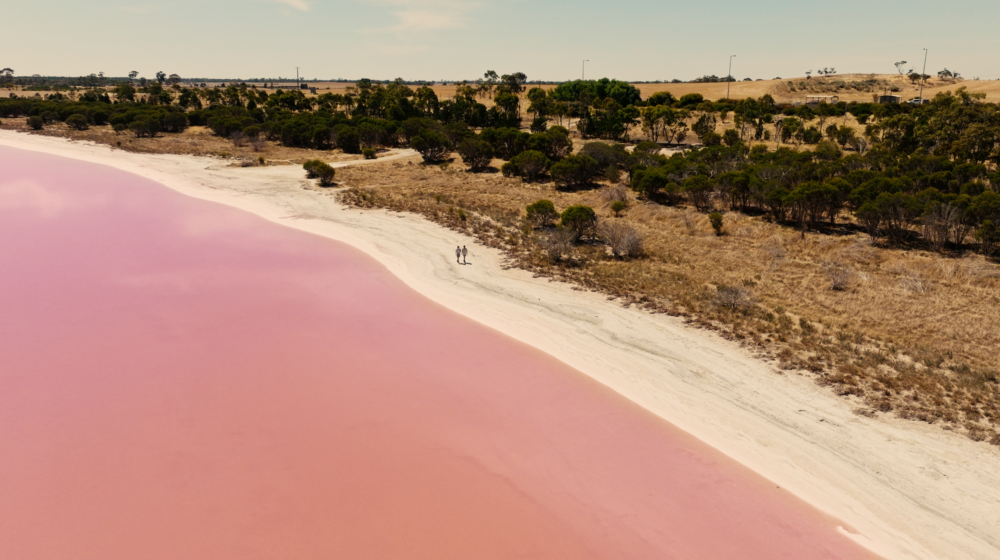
{"points": [[464, 253], [458, 254]]}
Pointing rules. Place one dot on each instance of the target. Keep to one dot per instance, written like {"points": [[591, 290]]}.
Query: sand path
{"points": [[903, 489]]}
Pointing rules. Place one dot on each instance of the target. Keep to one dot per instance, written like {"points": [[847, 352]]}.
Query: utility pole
{"points": [[922, 79], [729, 75], [583, 71], [297, 85]]}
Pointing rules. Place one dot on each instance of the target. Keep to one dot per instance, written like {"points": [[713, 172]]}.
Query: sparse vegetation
{"points": [[317, 169]]}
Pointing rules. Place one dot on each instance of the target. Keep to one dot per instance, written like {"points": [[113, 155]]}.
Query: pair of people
{"points": [[460, 253]]}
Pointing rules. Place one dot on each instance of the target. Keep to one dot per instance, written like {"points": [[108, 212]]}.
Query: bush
{"points": [[606, 155], [711, 138], [650, 182], [36, 122], [542, 213], [476, 153], [624, 240], [99, 117], [369, 153], [554, 143], [318, 169], [617, 207], [77, 121], [731, 137], [575, 171], [175, 122], [433, 146], [119, 127], [348, 140], [612, 174], [529, 165], [579, 219], [144, 128], [827, 151], [812, 135], [716, 220], [733, 297], [557, 243]]}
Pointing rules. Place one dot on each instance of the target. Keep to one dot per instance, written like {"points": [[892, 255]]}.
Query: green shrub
{"points": [[78, 122], [731, 137], [318, 169], [579, 219], [36, 122], [716, 219], [542, 213], [529, 165], [433, 146], [175, 122], [575, 171], [476, 153], [612, 174], [369, 153], [144, 128], [617, 207], [711, 138]]}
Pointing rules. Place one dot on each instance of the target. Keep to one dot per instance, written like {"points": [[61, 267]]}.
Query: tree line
{"points": [[930, 168]]}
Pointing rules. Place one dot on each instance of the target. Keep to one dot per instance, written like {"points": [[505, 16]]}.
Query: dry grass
{"points": [[903, 331]]}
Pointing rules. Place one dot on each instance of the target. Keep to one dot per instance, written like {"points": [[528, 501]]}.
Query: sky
{"points": [[641, 40]]}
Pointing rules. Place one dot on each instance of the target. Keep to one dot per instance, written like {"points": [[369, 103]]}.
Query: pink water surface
{"points": [[182, 380]]}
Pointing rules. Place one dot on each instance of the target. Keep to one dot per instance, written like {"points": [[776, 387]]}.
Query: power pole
{"points": [[297, 85], [729, 75], [922, 79], [583, 71]]}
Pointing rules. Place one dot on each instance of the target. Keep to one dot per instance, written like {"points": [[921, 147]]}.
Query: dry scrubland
{"points": [[899, 332]]}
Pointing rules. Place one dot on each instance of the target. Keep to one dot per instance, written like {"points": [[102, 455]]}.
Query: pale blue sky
{"points": [[452, 39]]}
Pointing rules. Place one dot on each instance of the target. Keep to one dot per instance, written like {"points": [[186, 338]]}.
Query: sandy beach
{"points": [[902, 489]]}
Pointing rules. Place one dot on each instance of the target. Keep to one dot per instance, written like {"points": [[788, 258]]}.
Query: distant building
{"points": [[817, 99], [884, 99]]}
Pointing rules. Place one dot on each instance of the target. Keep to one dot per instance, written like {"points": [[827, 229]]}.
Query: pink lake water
{"points": [[183, 380]]}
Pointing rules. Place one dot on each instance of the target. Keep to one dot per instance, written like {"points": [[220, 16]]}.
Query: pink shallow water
{"points": [[181, 379]]}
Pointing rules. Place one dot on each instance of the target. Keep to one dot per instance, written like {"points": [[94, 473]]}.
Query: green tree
{"points": [[433, 146], [542, 213], [476, 153], [77, 121], [731, 137], [575, 171], [579, 219], [529, 164]]}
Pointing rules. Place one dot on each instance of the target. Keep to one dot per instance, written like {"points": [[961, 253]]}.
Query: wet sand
{"points": [[185, 380]]}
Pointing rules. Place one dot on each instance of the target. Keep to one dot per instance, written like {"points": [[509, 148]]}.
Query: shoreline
{"points": [[902, 489]]}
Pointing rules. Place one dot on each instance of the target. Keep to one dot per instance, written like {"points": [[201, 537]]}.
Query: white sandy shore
{"points": [[903, 489]]}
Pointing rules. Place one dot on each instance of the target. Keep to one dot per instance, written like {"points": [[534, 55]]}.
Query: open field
{"points": [[778, 89]]}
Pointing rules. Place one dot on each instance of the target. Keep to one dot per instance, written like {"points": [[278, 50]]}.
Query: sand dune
{"points": [[903, 490]]}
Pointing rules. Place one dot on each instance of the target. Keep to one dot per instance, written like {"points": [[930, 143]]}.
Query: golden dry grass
{"points": [[909, 332]]}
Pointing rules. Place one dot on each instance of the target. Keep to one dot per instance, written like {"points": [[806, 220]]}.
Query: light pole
{"points": [[922, 79], [583, 70], [729, 75], [297, 78]]}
